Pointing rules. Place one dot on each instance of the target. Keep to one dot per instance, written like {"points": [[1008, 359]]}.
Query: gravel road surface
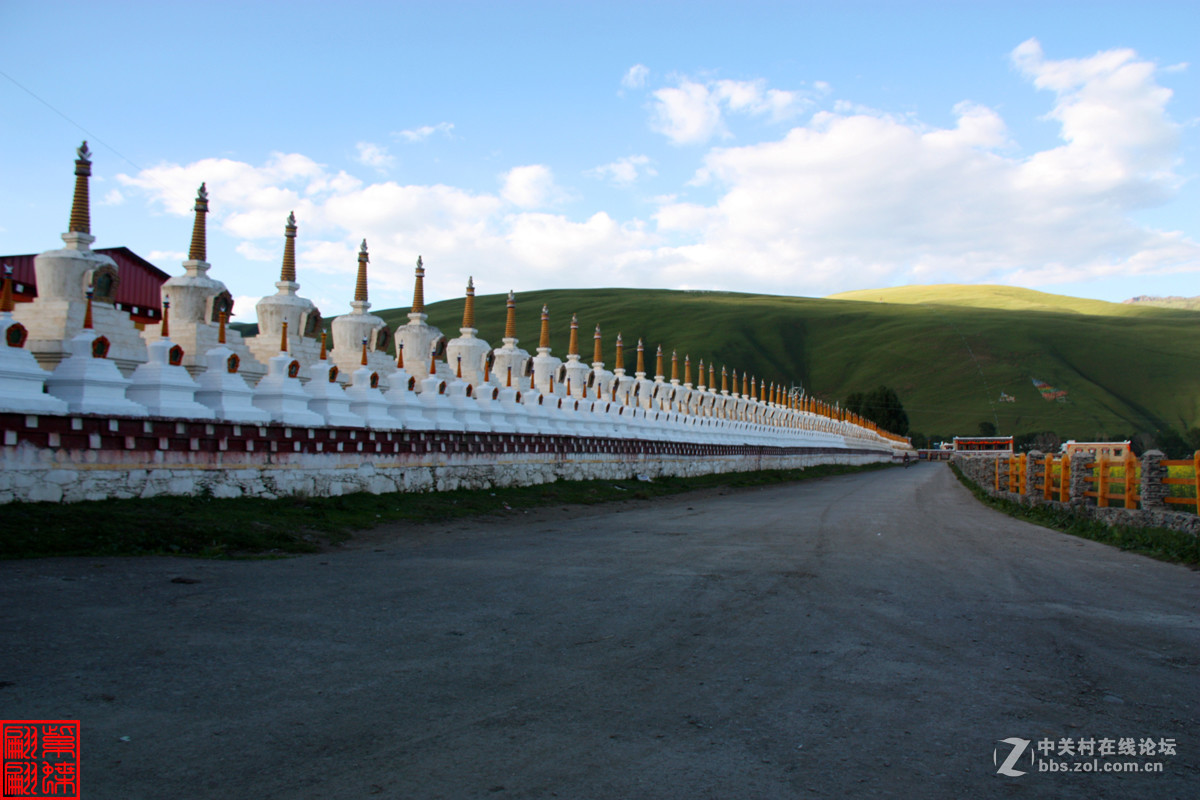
{"points": [[872, 635]]}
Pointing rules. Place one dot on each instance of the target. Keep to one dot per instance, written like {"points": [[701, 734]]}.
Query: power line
{"points": [[91, 136]]}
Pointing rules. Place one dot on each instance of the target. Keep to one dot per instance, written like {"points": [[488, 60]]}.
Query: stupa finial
{"points": [[360, 287], [510, 322], [287, 272], [199, 249], [418, 306], [81, 206]]}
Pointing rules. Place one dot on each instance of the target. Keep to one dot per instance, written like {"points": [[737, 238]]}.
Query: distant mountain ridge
{"points": [[1174, 301]]}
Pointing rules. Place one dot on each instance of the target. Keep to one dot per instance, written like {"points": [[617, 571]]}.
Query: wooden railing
{"points": [[1108, 482], [1193, 482]]}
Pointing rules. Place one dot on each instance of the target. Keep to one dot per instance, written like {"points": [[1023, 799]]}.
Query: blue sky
{"points": [[790, 148]]}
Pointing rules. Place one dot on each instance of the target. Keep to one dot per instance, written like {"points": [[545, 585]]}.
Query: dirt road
{"points": [[867, 635]]}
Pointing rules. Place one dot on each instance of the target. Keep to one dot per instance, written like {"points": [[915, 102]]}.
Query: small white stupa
{"points": [[403, 401], [162, 385], [22, 381], [435, 404], [221, 386], [280, 392], [350, 329], [326, 396], [56, 314], [87, 379], [301, 316], [366, 400]]}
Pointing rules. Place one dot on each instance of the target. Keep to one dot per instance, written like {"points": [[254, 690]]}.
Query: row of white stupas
{"points": [[68, 353]]}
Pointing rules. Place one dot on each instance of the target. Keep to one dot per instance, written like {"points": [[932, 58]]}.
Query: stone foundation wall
{"points": [[64, 459]]}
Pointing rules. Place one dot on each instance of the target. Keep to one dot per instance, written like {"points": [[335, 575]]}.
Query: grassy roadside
{"points": [[250, 527], [1161, 543]]}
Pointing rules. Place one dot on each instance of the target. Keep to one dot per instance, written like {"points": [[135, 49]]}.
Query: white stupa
{"points": [[63, 276], [221, 386], [366, 400], [197, 302], [300, 314], [87, 379], [326, 395], [280, 392], [350, 329]]}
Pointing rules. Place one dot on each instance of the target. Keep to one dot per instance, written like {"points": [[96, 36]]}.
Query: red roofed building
{"points": [[138, 290]]}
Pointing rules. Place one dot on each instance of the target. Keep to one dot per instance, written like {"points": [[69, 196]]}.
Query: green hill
{"points": [[949, 351]]}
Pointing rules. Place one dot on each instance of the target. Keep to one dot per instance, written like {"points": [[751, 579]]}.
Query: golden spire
{"points": [[81, 214], [745, 384], [324, 334], [620, 354], [658, 365], [510, 324], [166, 331], [487, 370], [724, 380], [288, 272], [687, 369], [735, 383], [399, 355], [433, 363], [87, 312], [712, 375], [283, 347], [596, 356], [700, 377], [360, 287], [199, 248], [573, 345], [469, 305], [532, 382], [753, 390], [641, 357], [458, 368], [544, 341], [508, 384], [364, 348], [221, 330], [419, 289], [674, 366], [6, 295]]}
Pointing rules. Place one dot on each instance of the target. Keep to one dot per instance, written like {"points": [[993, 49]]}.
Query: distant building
{"points": [[136, 290], [1096, 449], [997, 444]]}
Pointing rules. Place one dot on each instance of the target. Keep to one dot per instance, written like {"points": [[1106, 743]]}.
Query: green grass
{"points": [[249, 527], [1161, 543], [948, 351]]}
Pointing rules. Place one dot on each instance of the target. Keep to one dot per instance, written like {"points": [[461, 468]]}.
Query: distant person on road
{"points": [[906, 459]]}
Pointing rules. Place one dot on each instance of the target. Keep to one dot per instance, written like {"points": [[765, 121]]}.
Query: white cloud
{"points": [[851, 198], [530, 186], [693, 112], [635, 78], [169, 257], [624, 171], [374, 156], [424, 132], [868, 199], [687, 114], [113, 198]]}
